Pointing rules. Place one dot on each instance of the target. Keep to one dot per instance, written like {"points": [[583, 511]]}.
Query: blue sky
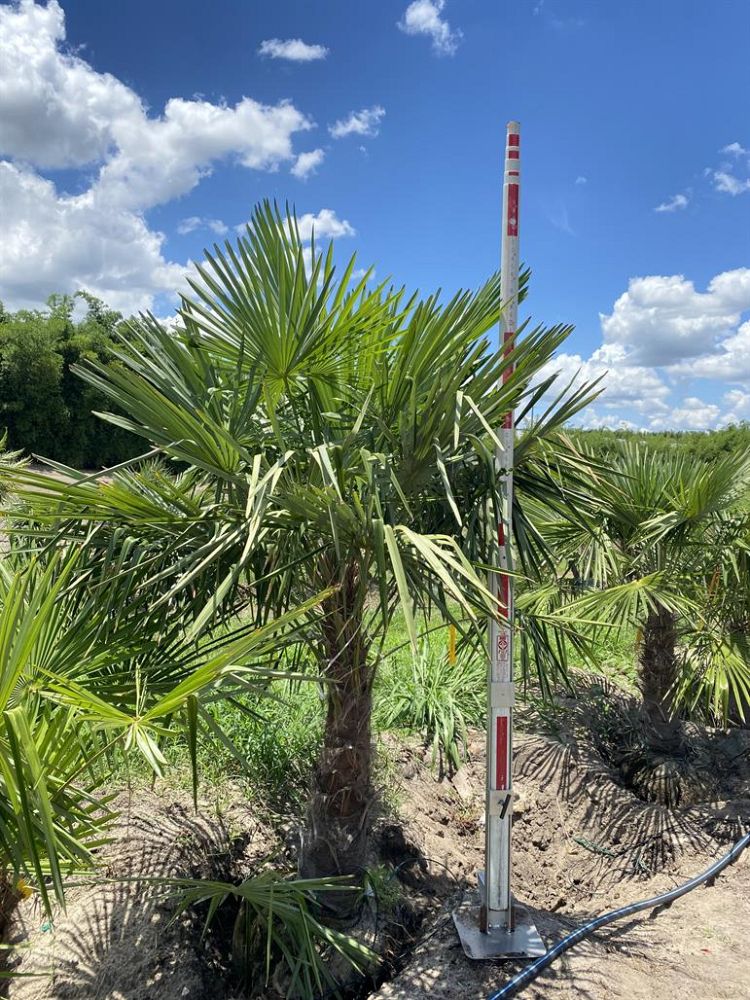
{"points": [[133, 135]]}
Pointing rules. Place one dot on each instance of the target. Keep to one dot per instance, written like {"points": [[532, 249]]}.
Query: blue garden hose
{"points": [[529, 974]]}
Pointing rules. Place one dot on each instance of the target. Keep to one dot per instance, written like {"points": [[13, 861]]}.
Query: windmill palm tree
{"points": [[666, 550], [326, 435]]}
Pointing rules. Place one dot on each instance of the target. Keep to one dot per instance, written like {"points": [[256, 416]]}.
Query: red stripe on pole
{"points": [[513, 154], [501, 753], [500, 535], [514, 140], [512, 173], [512, 210], [504, 595]]}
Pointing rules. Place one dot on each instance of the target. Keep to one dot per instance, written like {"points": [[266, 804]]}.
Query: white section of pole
{"points": [[498, 900]]}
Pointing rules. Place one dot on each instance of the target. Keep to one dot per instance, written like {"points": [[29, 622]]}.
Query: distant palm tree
{"points": [[329, 435], [666, 548]]}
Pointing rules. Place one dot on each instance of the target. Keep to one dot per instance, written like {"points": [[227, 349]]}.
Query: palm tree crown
{"points": [[665, 547]]}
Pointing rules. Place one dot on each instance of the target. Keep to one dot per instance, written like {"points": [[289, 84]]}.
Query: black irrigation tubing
{"points": [[529, 974]]}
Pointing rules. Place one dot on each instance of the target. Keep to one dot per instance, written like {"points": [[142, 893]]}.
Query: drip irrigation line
{"points": [[656, 903]]}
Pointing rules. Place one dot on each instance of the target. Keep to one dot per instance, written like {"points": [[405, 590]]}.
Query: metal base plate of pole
{"points": [[496, 942]]}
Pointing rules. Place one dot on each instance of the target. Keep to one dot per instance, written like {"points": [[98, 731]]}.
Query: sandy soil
{"points": [[696, 949], [582, 845], [118, 940]]}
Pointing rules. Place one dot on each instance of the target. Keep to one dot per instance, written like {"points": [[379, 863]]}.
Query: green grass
{"points": [[614, 657], [270, 743], [266, 746], [435, 698]]}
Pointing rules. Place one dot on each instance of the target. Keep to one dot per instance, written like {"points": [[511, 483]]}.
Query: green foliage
{"points": [[8, 460], [45, 409], [669, 535], [699, 446], [382, 884], [84, 670], [280, 919], [333, 436], [336, 428], [438, 699], [47, 827], [611, 653], [269, 742]]}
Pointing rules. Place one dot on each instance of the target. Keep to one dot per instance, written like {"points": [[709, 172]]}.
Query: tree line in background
{"points": [[46, 410], [702, 446]]}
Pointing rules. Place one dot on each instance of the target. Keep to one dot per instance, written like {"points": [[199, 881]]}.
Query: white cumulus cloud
{"points": [[735, 149], [325, 225], [662, 319], [668, 351], [737, 404], [292, 49], [692, 414], [57, 111], [52, 243], [730, 362], [729, 184], [194, 222], [364, 122], [673, 204], [733, 177], [163, 158], [423, 17], [623, 383], [307, 163]]}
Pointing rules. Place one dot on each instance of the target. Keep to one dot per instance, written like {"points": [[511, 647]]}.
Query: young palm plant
{"points": [[666, 551], [84, 673], [326, 435]]}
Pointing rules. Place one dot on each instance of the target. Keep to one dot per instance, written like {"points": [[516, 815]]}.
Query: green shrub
{"points": [[703, 446], [438, 699], [270, 744]]}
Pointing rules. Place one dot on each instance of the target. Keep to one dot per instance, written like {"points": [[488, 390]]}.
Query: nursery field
{"points": [[243, 675]]}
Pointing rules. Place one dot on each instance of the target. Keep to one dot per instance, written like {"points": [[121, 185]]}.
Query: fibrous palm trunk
{"points": [[658, 670], [335, 838], [9, 899]]}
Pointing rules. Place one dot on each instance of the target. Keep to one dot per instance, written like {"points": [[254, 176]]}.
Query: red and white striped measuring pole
{"points": [[498, 903], [496, 927]]}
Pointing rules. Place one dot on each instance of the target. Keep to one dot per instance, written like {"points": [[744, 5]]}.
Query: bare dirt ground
{"points": [[582, 845], [696, 949], [118, 940]]}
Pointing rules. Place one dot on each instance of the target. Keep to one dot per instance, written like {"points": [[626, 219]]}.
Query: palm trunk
{"points": [[658, 669], [9, 899], [335, 838]]}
